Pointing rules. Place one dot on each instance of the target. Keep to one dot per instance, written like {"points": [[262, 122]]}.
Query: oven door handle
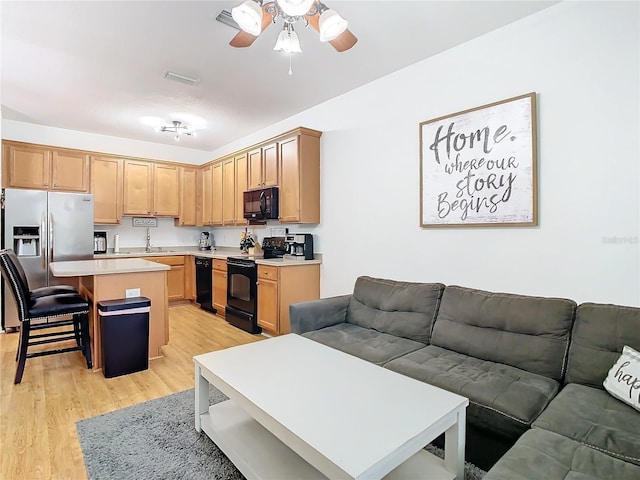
{"points": [[238, 265]]}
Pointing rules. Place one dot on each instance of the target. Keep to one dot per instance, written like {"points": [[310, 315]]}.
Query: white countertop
{"points": [[105, 266], [221, 253]]}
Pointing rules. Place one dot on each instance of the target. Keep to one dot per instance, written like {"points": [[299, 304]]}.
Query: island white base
{"points": [[258, 454]]}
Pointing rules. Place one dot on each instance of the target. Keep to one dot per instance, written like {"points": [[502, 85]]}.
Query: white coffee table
{"points": [[298, 409]]}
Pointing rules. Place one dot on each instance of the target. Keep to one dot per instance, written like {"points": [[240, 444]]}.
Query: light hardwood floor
{"points": [[38, 437]]}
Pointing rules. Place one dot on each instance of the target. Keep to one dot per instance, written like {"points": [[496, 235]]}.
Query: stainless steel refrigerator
{"points": [[42, 227]]}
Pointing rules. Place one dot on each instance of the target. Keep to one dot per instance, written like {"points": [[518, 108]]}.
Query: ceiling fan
{"points": [[254, 16]]}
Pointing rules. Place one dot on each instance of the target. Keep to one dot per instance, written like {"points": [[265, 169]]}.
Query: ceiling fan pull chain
{"points": [[290, 71]]}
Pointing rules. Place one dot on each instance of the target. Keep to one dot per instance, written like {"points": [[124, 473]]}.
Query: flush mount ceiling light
{"points": [[178, 129], [254, 16]]}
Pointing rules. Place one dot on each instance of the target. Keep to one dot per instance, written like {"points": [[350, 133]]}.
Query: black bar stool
{"points": [[37, 292], [55, 309]]}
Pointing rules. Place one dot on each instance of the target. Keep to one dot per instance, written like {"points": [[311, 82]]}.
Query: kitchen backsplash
{"points": [[166, 234]]}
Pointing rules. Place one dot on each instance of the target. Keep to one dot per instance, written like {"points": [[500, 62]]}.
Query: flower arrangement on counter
{"points": [[246, 241]]}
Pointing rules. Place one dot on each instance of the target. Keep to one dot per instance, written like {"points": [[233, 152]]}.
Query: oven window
{"points": [[240, 287]]}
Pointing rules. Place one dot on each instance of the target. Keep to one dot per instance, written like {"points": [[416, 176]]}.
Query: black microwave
{"points": [[261, 204]]}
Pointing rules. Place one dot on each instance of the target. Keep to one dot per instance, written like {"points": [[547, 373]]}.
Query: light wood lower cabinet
{"points": [[175, 277], [279, 287], [219, 285]]}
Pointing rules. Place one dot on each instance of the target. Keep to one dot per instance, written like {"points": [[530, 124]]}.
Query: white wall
{"points": [[582, 59]]}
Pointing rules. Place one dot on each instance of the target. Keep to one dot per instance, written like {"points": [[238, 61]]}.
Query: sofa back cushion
{"points": [[599, 334], [402, 309], [530, 333]]}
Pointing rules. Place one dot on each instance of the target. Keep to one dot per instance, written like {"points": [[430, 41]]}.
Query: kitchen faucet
{"points": [[148, 247]]}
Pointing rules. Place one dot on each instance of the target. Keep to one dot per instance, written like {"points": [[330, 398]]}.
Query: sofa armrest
{"points": [[317, 314]]}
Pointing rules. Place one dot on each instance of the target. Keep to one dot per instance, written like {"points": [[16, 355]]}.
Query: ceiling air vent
{"points": [[179, 77]]}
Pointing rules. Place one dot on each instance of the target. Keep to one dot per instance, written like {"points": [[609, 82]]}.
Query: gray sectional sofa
{"points": [[532, 368]]}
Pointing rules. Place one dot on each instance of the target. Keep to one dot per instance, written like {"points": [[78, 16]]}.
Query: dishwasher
{"points": [[204, 294]]}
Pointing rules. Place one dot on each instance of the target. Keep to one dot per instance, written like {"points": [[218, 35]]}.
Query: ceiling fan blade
{"points": [[342, 42], [244, 39]]}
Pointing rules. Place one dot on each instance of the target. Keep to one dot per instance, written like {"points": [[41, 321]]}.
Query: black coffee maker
{"points": [[300, 246]]}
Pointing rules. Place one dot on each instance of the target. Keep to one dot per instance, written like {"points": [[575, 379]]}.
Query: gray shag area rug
{"points": [[157, 440]]}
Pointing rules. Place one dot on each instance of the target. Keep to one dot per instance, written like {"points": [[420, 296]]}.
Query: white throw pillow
{"points": [[623, 380]]}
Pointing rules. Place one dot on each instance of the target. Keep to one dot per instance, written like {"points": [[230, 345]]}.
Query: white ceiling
{"points": [[96, 66]]}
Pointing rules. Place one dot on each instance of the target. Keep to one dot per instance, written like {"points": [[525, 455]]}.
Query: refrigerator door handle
{"points": [[50, 237], [43, 244]]}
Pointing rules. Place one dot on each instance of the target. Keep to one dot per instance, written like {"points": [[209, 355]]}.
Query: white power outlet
{"points": [[132, 292]]}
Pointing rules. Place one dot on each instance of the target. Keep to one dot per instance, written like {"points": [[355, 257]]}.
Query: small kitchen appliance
{"points": [[205, 241], [300, 246], [274, 247], [261, 204], [99, 242]]}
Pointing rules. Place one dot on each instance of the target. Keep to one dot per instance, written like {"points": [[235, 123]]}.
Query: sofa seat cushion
{"points": [[594, 418], [502, 399], [544, 455], [371, 345]]}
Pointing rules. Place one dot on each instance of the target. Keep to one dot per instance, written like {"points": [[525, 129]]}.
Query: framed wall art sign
{"points": [[479, 167]]}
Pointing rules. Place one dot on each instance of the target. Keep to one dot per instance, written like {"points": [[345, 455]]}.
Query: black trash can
{"points": [[124, 329]]}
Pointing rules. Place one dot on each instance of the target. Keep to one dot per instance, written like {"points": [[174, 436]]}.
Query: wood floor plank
{"points": [[37, 418]]}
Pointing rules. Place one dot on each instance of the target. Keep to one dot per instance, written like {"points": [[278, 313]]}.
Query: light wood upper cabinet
{"points": [[241, 167], [138, 187], [229, 181], [207, 194], [69, 171], [188, 197], [151, 189], [166, 190], [43, 168], [106, 186], [216, 207], [228, 192], [299, 182], [263, 166], [26, 167]]}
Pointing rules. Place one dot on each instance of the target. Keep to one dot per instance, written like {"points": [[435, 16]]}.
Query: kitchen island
{"points": [[109, 279]]}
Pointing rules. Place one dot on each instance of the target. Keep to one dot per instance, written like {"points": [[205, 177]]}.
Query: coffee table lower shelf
{"points": [[259, 454]]}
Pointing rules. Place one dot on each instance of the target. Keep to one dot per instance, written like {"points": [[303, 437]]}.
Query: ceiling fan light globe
{"points": [[288, 42], [248, 15], [295, 8], [331, 24]]}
